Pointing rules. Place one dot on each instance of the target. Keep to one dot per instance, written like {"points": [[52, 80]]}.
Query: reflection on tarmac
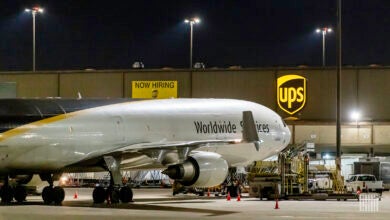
{"points": [[162, 198], [160, 204]]}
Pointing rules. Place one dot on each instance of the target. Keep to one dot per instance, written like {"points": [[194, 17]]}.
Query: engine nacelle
{"points": [[203, 169]]}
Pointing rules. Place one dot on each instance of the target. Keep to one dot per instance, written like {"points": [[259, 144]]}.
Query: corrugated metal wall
{"points": [[363, 88]]}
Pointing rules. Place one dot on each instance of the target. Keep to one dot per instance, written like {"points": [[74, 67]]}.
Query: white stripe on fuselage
{"points": [[93, 132]]}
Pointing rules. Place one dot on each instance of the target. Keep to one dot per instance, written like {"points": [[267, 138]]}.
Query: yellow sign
{"points": [[291, 93], [154, 89]]}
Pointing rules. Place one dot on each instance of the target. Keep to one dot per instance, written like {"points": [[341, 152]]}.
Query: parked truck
{"points": [[364, 183], [381, 170]]}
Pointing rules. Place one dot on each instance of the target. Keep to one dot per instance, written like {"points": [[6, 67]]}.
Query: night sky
{"points": [[80, 34]]}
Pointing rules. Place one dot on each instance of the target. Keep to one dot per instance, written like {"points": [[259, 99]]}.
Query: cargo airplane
{"points": [[194, 140]]}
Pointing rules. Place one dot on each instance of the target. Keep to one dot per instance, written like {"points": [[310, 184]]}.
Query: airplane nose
{"points": [[287, 135]]}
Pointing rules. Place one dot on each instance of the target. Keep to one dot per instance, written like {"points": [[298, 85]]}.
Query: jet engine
{"points": [[203, 169]]}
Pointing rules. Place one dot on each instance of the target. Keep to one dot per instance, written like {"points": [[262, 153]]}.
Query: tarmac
{"points": [[161, 204]]}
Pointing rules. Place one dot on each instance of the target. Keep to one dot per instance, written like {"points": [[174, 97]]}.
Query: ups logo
{"points": [[291, 92]]}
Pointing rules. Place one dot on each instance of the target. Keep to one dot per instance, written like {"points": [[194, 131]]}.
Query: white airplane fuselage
{"points": [[67, 139]]}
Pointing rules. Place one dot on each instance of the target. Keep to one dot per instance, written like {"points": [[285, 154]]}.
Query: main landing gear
{"points": [[116, 191], [52, 194], [8, 193]]}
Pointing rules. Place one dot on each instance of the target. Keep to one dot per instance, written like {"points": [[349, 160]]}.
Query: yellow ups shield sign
{"points": [[291, 91]]}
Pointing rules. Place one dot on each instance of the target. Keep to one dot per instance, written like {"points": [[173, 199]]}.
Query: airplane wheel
{"points": [[58, 195], [99, 195], [7, 194], [113, 194], [126, 194], [20, 194], [47, 194]]}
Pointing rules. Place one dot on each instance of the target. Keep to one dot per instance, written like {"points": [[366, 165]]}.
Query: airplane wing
{"points": [[160, 153], [172, 145], [166, 152]]}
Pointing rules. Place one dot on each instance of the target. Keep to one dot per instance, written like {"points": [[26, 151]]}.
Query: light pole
{"points": [[324, 30], [34, 11], [191, 21]]}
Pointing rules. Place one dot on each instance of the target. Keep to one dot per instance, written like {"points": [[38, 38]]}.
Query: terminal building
{"points": [[304, 96]]}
